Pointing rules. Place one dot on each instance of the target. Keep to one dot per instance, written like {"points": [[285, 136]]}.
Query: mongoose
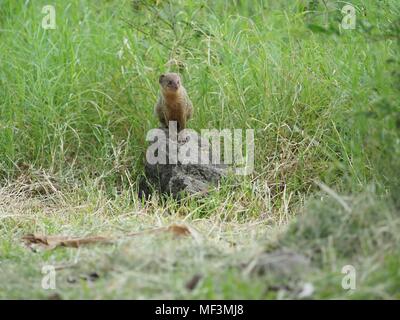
{"points": [[173, 103]]}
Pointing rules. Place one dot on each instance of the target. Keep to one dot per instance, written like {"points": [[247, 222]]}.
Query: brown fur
{"points": [[173, 103]]}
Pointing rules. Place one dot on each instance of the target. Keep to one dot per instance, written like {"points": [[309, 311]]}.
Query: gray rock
{"points": [[282, 262], [187, 169]]}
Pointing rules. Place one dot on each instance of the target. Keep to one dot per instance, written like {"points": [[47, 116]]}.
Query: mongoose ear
{"points": [[161, 77]]}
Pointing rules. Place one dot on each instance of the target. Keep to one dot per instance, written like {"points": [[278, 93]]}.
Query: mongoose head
{"points": [[170, 82]]}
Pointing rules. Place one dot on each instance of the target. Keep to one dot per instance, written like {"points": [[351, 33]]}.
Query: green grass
{"points": [[76, 102]]}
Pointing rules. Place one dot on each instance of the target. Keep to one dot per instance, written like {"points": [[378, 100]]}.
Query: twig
{"points": [[146, 33]]}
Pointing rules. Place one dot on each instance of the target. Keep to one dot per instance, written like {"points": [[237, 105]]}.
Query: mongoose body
{"points": [[173, 103]]}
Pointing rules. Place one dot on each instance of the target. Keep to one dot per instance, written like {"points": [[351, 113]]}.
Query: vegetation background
{"points": [[76, 102]]}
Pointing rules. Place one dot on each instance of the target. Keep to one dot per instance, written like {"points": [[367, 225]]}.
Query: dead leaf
{"points": [[176, 229], [52, 242], [91, 277], [54, 296], [193, 282], [179, 230], [62, 241]]}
